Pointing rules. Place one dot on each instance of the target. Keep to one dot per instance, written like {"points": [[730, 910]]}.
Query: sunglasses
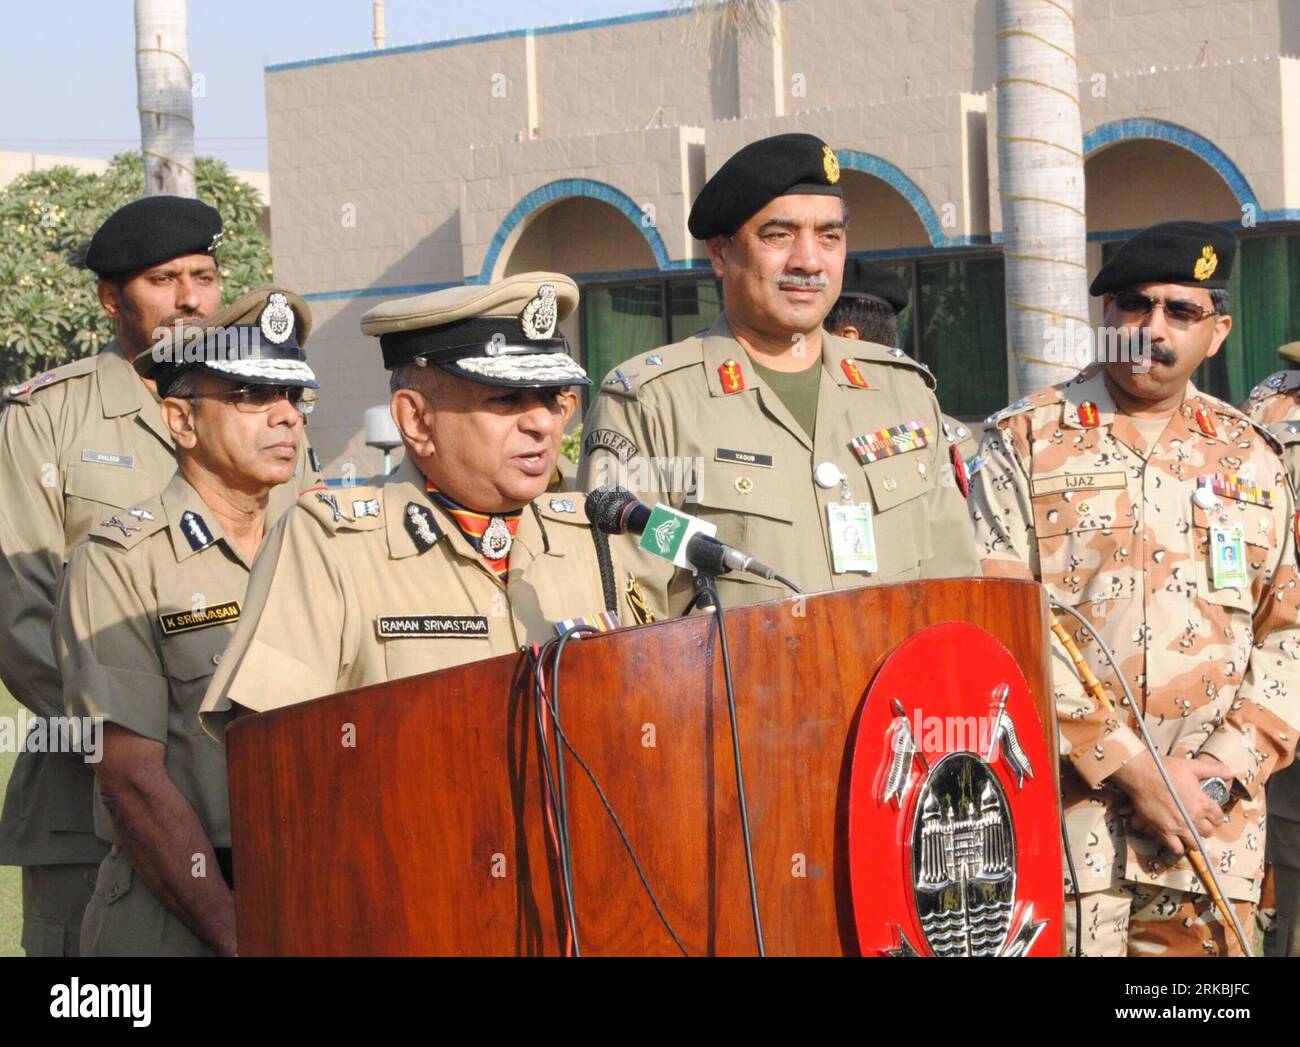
{"points": [[1133, 306], [257, 399]]}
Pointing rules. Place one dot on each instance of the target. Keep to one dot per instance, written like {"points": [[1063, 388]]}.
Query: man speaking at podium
{"points": [[460, 554], [782, 435]]}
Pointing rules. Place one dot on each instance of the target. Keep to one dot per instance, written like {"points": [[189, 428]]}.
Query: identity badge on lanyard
{"points": [[1228, 556], [853, 538]]}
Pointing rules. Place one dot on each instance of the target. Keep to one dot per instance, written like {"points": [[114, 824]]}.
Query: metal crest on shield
{"points": [[541, 314], [276, 320], [963, 840]]}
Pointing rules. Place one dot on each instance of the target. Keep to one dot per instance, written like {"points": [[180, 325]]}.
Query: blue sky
{"points": [[67, 69]]}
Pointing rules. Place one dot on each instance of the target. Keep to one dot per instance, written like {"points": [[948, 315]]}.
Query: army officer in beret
{"points": [[149, 602], [459, 554], [784, 436], [1164, 516], [77, 445]]}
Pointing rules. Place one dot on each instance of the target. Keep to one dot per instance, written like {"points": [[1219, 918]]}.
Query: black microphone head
{"points": [[605, 507]]}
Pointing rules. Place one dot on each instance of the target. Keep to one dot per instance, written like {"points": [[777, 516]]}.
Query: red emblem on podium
{"points": [[954, 828]]}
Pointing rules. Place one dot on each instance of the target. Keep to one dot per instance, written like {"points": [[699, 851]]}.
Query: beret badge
{"points": [[830, 164], [1206, 264]]}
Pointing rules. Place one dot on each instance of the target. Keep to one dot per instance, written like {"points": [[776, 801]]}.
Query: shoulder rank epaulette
{"points": [[23, 390], [344, 508], [127, 527]]}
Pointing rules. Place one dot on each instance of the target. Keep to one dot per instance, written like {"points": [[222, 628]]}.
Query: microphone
{"points": [[669, 534]]}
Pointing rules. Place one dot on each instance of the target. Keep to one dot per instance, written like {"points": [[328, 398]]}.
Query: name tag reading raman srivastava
{"points": [[184, 621], [446, 626], [1063, 482]]}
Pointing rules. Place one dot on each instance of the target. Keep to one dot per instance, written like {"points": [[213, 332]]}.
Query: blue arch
{"points": [[566, 187], [873, 165], [1163, 131]]}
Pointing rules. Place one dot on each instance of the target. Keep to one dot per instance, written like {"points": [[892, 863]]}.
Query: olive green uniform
{"points": [[679, 426], [360, 585], [77, 445], [148, 603]]}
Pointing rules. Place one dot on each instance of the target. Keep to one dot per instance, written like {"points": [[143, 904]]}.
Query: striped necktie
{"points": [[491, 535]]}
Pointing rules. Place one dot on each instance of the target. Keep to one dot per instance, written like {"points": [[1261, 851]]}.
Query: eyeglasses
{"points": [[1179, 313], [258, 399]]}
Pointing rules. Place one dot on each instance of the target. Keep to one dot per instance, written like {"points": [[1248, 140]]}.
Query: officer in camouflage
{"points": [[1275, 402], [77, 445], [1164, 517], [457, 556], [782, 435]]}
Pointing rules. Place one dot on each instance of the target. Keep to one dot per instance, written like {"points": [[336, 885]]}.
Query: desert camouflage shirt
{"points": [[1071, 492]]}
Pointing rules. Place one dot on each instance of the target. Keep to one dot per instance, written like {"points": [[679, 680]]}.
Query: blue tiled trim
{"points": [[905, 187], [483, 38], [1164, 131], [565, 187]]}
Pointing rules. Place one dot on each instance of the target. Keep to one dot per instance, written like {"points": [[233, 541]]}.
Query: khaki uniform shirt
{"points": [[343, 599], [143, 617], [667, 427], [77, 445], [1275, 402], [1108, 523]]}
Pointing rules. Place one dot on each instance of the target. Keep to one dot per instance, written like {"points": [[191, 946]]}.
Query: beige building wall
{"points": [[421, 167]]}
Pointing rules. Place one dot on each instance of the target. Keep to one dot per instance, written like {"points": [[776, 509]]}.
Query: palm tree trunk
{"points": [[1040, 171], [162, 68]]}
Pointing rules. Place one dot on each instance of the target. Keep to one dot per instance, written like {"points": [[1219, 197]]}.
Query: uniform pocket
{"points": [[1257, 530], [902, 533], [189, 660], [1086, 546], [750, 511]]}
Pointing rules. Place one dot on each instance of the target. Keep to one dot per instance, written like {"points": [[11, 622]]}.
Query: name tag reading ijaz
{"points": [[446, 626], [1063, 482]]}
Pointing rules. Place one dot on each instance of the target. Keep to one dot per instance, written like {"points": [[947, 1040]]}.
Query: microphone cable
{"points": [[712, 590], [556, 644]]}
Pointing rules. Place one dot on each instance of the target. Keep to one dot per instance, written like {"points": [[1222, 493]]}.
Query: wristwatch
{"points": [[1217, 790]]}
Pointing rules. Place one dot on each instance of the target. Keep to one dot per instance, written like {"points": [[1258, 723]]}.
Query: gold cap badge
{"points": [[1206, 264], [830, 164]]}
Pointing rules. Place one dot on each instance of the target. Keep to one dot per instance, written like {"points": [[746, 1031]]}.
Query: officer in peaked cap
{"points": [[870, 301], [1165, 517], [413, 573], [83, 442], [137, 646], [793, 436]]}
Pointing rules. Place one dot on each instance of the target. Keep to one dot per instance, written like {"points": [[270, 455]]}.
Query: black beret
{"points": [[152, 230], [880, 283], [1191, 254], [782, 165]]}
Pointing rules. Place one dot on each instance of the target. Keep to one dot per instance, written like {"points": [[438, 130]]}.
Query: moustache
{"points": [[1164, 356], [802, 281]]}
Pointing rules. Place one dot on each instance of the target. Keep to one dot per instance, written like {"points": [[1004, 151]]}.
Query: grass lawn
{"points": [[11, 900]]}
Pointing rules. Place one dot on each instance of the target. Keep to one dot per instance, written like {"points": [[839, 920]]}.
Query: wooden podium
{"points": [[408, 819]]}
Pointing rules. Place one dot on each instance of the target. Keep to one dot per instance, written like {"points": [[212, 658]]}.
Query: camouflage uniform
{"points": [[1107, 522], [1276, 403]]}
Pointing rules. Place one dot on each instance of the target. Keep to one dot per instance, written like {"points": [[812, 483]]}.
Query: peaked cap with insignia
{"points": [[783, 165], [150, 231], [1191, 254], [502, 333], [257, 339]]}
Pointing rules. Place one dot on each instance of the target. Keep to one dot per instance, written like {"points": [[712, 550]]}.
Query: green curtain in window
{"points": [[693, 305], [620, 321], [964, 333]]}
